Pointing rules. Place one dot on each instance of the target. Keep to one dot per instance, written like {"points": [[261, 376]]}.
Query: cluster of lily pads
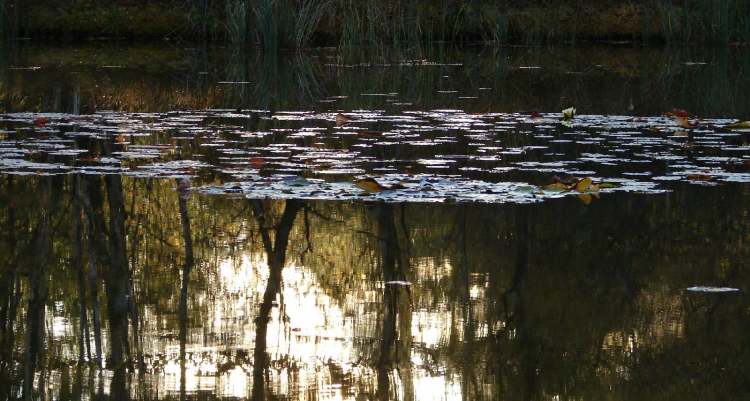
{"points": [[397, 156]]}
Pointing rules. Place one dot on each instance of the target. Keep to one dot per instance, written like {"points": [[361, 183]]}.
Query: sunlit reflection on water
{"points": [[369, 300]]}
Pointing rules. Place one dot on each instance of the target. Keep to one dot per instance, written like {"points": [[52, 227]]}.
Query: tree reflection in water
{"points": [[134, 289]]}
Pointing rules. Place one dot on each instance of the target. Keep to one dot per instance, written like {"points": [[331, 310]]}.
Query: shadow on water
{"points": [[210, 297], [597, 80]]}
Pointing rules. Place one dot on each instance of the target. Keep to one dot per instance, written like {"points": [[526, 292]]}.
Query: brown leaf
{"points": [[684, 122], [556, 186], [369, 185], [585, 198], [341, 120]]}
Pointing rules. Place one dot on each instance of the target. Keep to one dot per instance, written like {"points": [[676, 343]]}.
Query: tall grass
{"points": [[237, 12], [274, 24], [199, 16], [3, 24], [700, 21], [10, 18], [309, 15]]}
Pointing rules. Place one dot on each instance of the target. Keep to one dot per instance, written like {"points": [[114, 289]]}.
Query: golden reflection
{"points": [[336, 301]]}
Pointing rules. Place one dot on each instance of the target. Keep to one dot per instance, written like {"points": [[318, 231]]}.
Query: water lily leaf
{"points": [[341, 120], [369, 185], [583, 185], [568, 113], [683, 122], [40, 122], [556, 186], [679, 113], [257, 162], [699, 177], [608, 185], [739, 125], [296, 181]]}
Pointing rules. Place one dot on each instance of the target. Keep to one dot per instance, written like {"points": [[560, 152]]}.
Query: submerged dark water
{"points": [[138, 261], [708, 82]]}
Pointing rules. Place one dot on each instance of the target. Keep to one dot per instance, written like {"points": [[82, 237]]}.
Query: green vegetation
{"points": [[402, 23]]}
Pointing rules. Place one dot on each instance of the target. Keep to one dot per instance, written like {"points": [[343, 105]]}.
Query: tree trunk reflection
{"points": [[276, 256], [187, 240], [395, 346]]}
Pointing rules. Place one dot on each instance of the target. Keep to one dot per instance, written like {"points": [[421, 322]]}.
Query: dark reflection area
{"points": [[597, 80], [187, 240], [395, 346], [122, 288], [275, 251]]}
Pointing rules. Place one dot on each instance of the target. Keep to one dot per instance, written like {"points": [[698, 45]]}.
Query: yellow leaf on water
{"points": [[583, 185], [739, 125], [568, 113], [369, 185], [556, 186], [683, 122]]}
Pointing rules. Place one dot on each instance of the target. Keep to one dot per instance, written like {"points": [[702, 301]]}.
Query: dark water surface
{"points": [[217, 253], [708, 82]]}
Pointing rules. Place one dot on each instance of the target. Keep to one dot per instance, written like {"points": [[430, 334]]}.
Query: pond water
{"points": [[203, 223]]}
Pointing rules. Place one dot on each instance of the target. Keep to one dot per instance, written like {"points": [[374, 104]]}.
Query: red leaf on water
{"points": [[40, 122], [257, 162], [680, 113]]}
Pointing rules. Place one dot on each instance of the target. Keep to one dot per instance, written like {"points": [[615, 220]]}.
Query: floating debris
{"points": [[712, 289], [398, 283]]}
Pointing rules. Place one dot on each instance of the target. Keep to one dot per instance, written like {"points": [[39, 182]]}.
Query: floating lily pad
{"points": [[443, 155]]}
